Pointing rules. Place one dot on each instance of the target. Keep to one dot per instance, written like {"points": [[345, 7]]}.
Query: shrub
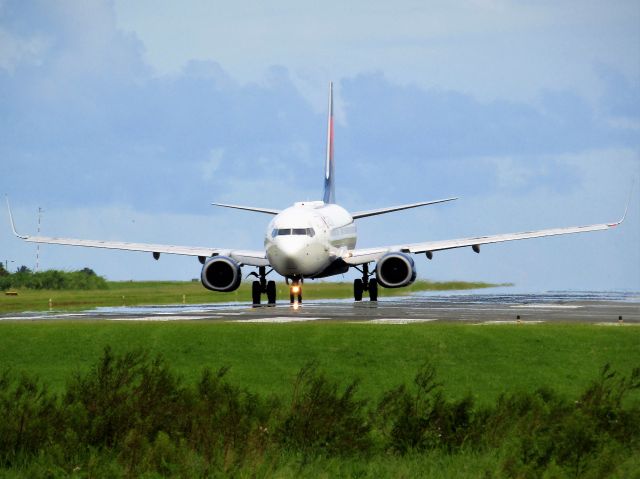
{"points": [[28, 417], [322, 420], [53, 279], [424, 419], [227, 423]]}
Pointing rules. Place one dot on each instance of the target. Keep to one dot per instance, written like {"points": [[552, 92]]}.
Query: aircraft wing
{"points": [[247, 257], [367, 255]]}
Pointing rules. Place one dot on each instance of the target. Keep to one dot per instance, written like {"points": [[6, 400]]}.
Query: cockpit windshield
{"points": [[293, 231]]}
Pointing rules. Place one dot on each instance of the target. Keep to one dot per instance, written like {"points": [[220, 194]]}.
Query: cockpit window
{"points": [[293, 231]]}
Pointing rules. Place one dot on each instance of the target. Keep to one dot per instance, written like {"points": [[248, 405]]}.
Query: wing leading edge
{"points": [[247, 257], [367, 255]]}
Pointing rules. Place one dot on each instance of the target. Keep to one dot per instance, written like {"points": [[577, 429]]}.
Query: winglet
{"points": [[626, 208], [13, 226]]}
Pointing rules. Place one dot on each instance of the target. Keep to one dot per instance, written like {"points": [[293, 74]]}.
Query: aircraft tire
{"points": [[256, 292], [271, 292], [357, 289], [373, 289]]}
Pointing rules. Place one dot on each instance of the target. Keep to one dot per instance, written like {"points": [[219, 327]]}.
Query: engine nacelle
{"points": [[395, 270], [221, 273]]}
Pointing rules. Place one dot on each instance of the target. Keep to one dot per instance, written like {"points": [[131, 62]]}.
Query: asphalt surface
{"points": [[587, 307]]}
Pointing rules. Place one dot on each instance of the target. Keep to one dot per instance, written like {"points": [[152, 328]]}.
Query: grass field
{"points": [[156, 292], [483, 360]]}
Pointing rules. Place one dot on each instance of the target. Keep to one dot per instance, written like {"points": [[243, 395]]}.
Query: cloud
{"points": [[84, 120]]}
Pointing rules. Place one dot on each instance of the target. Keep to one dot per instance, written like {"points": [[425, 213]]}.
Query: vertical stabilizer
{"points": [[329, 186]]}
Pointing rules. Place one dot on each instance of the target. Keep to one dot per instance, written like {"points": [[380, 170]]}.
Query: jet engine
{"points": [[395, 270], [221, 273]]}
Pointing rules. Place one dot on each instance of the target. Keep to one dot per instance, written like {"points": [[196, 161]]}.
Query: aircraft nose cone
{"points": [[290, 254], [290, 248]]}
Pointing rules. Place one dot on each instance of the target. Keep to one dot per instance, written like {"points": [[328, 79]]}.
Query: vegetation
{"points": [[131, 415], [24, 278], [167, 292], [484, 360]]}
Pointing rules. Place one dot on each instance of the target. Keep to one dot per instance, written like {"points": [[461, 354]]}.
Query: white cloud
{"points": [[212, 164], [491, 49], [16, 51]]}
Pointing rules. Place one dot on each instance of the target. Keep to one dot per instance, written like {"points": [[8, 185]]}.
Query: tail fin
{"points": [[329, 186]]}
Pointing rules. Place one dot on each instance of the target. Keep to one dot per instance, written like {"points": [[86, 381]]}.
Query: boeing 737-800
{"points": [[314, 239]]}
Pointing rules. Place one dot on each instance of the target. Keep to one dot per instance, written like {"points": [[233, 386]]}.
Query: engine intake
{"points": [[395, 270], [221, 273]]}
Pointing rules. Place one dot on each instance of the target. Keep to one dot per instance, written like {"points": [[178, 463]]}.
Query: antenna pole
{"points": [[40, 211]]}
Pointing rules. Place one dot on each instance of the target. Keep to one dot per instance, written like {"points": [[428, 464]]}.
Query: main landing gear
{"points": [[262, 286], [295, 290], [365, 284]]}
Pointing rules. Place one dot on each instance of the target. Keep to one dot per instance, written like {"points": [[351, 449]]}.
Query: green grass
{"points": [[483, 360], [175, 292], [265, 358]]}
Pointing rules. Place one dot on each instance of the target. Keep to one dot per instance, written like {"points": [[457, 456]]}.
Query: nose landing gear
{"points": [[365, 284], [262, 286], [295, 291]]}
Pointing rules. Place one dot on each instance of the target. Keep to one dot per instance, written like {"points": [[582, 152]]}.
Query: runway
{"points": [[473, 308]]}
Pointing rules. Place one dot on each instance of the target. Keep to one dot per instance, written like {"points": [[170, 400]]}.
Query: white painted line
{"points": [[398, 320], [508, 322], [547, 306], [161, 318], [617, 324], [277, 319]]}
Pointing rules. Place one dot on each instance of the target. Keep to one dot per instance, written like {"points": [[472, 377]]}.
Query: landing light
{"points": [[295, 289]]}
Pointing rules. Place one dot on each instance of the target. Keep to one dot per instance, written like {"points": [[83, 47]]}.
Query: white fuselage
{"points": [[306, 238]]}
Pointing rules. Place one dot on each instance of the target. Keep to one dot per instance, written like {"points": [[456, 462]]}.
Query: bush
{"points": [[53, 279], [424, 419], [131, 416], [29, 417], [322, 420]]}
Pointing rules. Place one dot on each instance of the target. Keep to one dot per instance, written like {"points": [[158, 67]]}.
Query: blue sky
{"points": [[124, 120]]}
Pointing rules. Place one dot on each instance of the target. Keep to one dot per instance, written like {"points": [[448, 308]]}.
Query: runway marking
{"points": [[396, 321], [507, 322], [277, 319], [546, 306], [617, 324], [161, 318]]}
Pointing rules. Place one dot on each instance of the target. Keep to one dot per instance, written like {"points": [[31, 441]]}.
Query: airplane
{"points": [[314, 239]]}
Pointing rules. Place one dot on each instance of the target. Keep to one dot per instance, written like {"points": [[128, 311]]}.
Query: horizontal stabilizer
{"points": [[382, 211], [267, 211]]}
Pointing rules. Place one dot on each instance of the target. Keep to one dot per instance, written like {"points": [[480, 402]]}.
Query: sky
{"points": [[125, 120]]}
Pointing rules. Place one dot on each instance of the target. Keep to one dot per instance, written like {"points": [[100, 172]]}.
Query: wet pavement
{"points": [[500, 306]]}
